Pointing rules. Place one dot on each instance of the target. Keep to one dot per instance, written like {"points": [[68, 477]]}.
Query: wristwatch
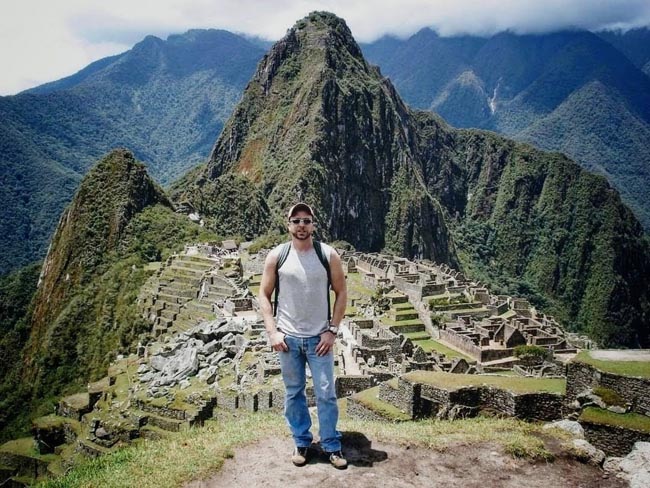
{"points": [[334, 329]]}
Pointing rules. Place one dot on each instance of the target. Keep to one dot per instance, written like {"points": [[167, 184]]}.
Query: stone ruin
{"points": [[207, 350]]}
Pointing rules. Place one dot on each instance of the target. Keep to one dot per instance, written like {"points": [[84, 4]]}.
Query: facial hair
{"points": [[304, 233]]}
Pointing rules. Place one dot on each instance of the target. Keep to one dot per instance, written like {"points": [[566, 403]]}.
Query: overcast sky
{"points": [[44, 40]]}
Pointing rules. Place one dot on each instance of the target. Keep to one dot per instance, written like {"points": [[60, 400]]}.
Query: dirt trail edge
{"points": [[371, 464]]}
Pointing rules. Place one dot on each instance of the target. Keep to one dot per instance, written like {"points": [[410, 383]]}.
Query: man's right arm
{"points": [[267, 286]]}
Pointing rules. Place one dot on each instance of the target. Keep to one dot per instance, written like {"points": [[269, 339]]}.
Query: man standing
{"points": [[302, 330]]}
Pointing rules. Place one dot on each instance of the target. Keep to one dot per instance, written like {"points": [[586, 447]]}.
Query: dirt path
{"points": [[267, 464]]}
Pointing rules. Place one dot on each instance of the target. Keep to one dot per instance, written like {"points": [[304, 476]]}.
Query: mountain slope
{"points": [[598, 141], [635, 44], [166, 100], [517, 84], [317, 123], [89, 231], [84, 311]]}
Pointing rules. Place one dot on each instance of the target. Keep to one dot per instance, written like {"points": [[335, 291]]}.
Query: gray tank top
{"points": [[302, 303]]}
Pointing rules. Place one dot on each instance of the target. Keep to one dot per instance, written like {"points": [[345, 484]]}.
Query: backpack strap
{"points": [[282, 257], [326, 264]]}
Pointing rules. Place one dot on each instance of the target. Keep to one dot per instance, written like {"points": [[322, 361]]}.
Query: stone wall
{"points": [[172, 413], [370, 342], [495, 354], [499, 400], [465, 344], [539, 406], [614, 441], [347, 385], [357, 410], [394, 396], [381, 354], [636, 391], [528, 406], [407, 397]]}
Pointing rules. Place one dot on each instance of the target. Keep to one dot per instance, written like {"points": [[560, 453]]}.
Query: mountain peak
{"points": [[320, 39]]}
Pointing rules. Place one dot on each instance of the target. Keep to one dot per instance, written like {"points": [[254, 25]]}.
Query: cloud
{"points": [[42, 40]]}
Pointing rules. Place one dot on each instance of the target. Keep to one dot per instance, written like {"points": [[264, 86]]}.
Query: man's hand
{"points": [[326, 343], [277, 341]]}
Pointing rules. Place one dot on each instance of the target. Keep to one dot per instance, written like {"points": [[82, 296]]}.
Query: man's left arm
{"points": [[340, 289]]}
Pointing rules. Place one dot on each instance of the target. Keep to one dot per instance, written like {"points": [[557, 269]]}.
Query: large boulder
{"points": [[572, 427], [635, 467], [587, 453]]}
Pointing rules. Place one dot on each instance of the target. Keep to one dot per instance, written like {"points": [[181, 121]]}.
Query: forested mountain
{"points": [[165, 100], [569, 91], [64, 332], [635, 44], [317, 122]]}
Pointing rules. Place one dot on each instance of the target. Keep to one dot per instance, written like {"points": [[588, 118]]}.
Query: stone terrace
{"points": [[463, 314], [422, 394]]}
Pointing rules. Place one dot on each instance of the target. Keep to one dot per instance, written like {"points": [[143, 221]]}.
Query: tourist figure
{"points": [[302, 330]]}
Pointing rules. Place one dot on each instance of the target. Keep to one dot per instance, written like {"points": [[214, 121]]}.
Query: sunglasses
{"points": [[305, 221]]}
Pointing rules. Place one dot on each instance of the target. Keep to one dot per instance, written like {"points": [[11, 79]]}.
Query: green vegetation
{"points": [[193, 454], [16, 292], [594, 108], [627, 420], [530, 354], [86, 312], [199, 453], [516, 385], [267, 241], [609, 396], [370, 399], [165, 100], [625, 368], [452, 299], [25, 447], [429, 345]]}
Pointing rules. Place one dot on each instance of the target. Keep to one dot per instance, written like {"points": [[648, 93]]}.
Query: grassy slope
{"points": [[625, 368], [517, 385], [198, 453]]}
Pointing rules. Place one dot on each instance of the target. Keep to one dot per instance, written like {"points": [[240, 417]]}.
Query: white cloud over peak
{"points": [[43, 40]]}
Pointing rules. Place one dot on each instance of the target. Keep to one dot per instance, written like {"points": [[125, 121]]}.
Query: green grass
{"points": [[403, 306], [433, 345], [26, 447], [355, 287], [517, 438], [505, 372], [461, 310], [404, 312], [610, 397], [625, 368], [633, 421], [508, 314], [171, 462], [370, 399], [153, 266], [428, 298], [514, 384], [79, 400], [49, 422], [417, 336], [392, 323], [200, 452]]}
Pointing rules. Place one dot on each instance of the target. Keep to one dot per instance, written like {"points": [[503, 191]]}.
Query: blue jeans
{"points": [[301, 352]]}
